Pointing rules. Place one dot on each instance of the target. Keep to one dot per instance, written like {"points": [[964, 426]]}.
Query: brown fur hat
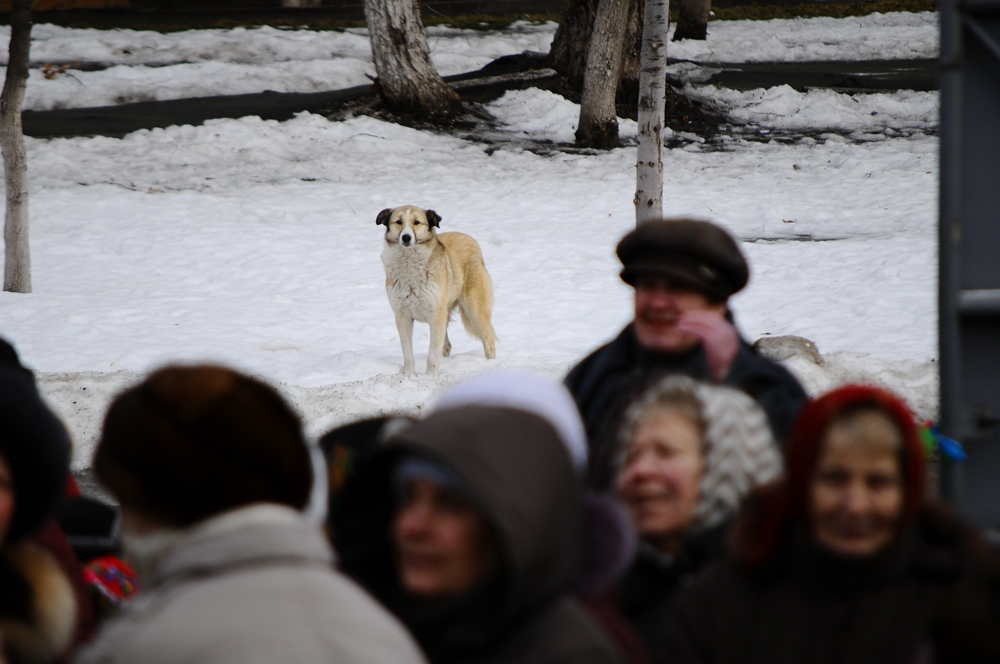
{"points": [[696, 253], [191, 442]]}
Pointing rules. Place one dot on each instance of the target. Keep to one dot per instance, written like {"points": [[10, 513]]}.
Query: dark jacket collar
{"points": [[922, 549], [699, 549]]}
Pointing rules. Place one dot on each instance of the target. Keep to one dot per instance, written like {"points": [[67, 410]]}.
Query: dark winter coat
{"points": [[614, 375], [41, 614], [933, 596], [649, 589], [523, 482]]}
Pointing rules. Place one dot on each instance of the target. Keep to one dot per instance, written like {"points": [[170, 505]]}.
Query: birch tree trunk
{"points": [[17, 256], [598, 126], [408, 80], [652, 97], [692, 19]]}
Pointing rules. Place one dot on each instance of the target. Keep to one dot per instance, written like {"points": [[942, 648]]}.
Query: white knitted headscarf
{"points": [[529, 392], [738, 447]]}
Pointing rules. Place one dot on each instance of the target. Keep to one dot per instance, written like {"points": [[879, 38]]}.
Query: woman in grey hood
{"points": [[466, 525], [691, 453]]}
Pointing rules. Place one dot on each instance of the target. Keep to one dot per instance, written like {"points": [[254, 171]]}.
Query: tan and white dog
{"points": [[428, 275]]}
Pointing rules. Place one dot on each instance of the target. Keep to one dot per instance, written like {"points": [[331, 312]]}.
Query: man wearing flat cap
{"points": [[683, 272]]}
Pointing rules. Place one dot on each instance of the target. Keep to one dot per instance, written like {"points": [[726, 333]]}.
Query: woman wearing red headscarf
{"points": [[844, 560]]}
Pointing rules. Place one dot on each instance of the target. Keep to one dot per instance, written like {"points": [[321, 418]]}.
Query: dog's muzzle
{"points": [[406, 239]]}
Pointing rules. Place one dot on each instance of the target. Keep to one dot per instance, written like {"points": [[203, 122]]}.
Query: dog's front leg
{"points": [[404, 324], [439, 330]]}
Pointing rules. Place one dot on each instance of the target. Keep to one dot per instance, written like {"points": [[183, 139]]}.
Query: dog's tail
{"points": [[471, 328], [476, 307]]}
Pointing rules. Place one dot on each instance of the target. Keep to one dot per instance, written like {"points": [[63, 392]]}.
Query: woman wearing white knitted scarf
{"points": [[691, 452]]}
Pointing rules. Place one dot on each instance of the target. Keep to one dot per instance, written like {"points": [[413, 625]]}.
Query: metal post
{"points": [[969, 236]]}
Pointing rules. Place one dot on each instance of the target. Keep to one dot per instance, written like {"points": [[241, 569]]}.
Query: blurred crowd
{"points": [[677, 499]]}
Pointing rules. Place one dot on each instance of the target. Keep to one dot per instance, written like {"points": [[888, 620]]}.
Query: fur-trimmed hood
{"points": [[38, 624]]}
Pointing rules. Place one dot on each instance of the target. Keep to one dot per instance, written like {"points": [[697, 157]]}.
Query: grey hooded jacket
{"points": [[259, 587]]}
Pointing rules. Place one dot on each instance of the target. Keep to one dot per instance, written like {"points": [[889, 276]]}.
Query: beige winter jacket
{"points": [[255, 585]]}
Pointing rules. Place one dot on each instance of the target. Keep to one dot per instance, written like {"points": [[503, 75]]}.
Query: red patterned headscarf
{"points": [[774, 505]]}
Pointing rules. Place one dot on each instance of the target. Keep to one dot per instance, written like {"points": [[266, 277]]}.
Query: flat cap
{"points": [[696, 253]]}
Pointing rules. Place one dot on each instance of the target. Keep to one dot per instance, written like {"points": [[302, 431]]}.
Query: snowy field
{"points": [[254, 243]]}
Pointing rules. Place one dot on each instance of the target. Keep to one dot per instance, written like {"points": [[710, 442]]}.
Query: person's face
{"points": [[661, 474], [7, 503], [659, 304], [856, 497], [442, 542]]}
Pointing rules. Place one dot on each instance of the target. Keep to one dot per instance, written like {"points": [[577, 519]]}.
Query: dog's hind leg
{"points": [[446, 351], [404, 325]]}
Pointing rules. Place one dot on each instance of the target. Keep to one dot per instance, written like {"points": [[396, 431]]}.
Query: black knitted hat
{"points": [[191, 442], [696, 253], [34, 444]]}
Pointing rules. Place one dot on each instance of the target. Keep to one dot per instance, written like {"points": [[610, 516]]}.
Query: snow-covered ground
{"points": [[254, 243], [148, 66], [895, 36]]}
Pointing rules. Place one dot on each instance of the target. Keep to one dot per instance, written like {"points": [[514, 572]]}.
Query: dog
{"points": [[428, 275]]}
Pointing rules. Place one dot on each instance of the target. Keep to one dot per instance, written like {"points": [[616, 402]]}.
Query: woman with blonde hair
{"points": [[846, 560]]}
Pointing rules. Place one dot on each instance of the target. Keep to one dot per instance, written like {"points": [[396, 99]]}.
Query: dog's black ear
{"points": [[433, 219], [383, 217]]}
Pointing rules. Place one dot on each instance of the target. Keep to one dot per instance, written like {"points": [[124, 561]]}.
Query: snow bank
{"points": [[892, 36], [783, 108]]}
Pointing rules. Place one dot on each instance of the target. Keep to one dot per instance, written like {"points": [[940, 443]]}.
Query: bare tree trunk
{"points": [[571, 45], [17, 256], [408, 80], [598, 127], [692, 19], [652, 98]]}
